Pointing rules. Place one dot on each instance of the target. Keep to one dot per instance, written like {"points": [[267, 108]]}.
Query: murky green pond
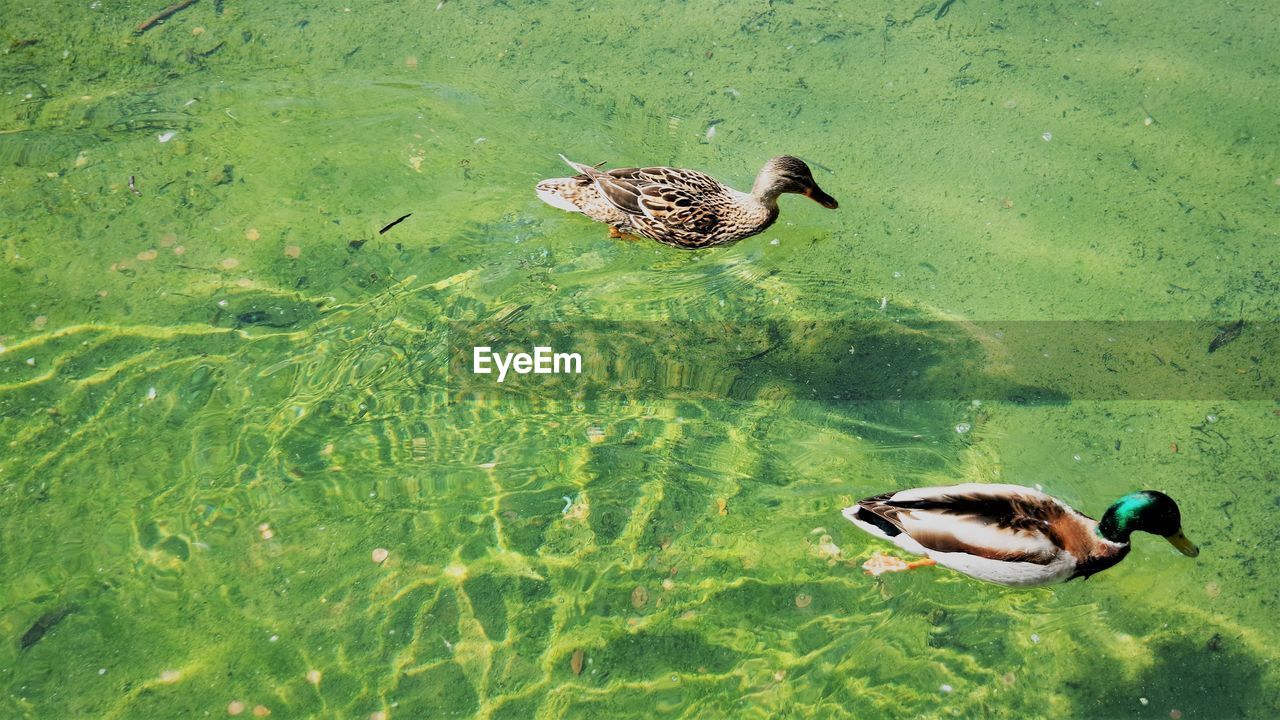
{"points": [[247, 471]]}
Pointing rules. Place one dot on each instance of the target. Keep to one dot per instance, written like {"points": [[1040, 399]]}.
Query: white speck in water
{"points": [[1143, 701], [480, 140], [222, 303], [963, 428], [897, 274], [1046, 136], [1211, 418], [775, 241], [102, 671], [1076, 457], [151, 393], [31, 361], [884, 302], [732, 92], [1035, 637], [165, 137], [945, 688], [710, 133], [273, 638], [977, 403], [1148, 121], [568, 503]]}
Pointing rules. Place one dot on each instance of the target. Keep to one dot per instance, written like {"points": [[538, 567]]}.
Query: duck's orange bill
{"points": [[815, 193]]}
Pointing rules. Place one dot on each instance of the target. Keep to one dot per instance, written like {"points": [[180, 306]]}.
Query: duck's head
{"points": [[1149, 511], [788, 174]]}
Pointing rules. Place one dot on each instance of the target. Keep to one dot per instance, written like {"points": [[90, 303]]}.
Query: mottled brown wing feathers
{"points": [[620, 188], [668, 195]]}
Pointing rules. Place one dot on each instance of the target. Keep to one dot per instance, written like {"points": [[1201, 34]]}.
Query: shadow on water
{"points": [[1200, 675], [840, 362]]}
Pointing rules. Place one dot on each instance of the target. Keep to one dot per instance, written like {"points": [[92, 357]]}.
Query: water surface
{"points": [[221, 393]]}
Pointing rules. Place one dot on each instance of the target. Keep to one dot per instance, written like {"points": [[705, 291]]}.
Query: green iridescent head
{"points": [[1148, 511]]}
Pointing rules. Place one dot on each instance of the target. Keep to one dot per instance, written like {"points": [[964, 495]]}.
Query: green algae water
{"points": [[246, 469]]}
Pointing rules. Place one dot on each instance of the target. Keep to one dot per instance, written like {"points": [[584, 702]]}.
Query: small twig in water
{"points": [[394, 223], [161, 16]]}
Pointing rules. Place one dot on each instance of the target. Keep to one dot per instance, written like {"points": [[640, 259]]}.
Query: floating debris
{"points": [[575, 662], [380, 555], [803, 601], [235, 707], [639, 597], [394, 223], [161, 16]]}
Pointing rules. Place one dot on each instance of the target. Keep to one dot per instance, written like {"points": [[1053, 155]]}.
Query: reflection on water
{"points": [[225, 392]]}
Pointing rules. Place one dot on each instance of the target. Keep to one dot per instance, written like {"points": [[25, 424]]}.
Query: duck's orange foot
{"points": [[617, 234], [880, 564]]}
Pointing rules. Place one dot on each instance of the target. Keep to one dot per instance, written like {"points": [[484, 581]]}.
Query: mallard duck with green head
{"points": [[1014, 535], [675, 206]]}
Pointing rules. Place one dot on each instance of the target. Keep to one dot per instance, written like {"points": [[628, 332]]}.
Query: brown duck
{"points": [[675, 206]]}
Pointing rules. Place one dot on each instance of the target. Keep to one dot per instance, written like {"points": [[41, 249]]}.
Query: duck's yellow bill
{"points": [[1185, 546]]}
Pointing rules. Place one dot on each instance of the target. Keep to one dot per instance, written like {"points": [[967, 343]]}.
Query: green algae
{"points": [[237, 348]]}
